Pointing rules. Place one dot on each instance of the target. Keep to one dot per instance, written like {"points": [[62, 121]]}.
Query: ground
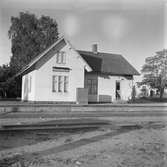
{"points": [[143, 146], [135, 137], [140, 148]]}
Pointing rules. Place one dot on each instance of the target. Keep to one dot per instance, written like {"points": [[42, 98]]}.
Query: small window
{"points": [[61, 57], [58, 60]]}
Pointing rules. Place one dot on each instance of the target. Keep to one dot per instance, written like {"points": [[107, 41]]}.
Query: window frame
{"points": [[61, 57], [60, 83], [92, 86]]}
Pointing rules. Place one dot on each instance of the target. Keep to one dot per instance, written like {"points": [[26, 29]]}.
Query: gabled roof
{"points": [[108, 63], [42, 58], [44, 55]]}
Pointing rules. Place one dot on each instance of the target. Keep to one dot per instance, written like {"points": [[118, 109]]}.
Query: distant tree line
{"points": [[29, 36]]}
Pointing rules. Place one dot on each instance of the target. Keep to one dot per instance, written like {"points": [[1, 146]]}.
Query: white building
{"points": [[63, 74]]}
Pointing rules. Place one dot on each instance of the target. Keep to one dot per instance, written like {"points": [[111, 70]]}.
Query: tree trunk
{"points": [[161, 93]]}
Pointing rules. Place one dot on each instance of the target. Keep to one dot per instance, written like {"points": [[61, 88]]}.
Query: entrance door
{"points": [[118, 90]]}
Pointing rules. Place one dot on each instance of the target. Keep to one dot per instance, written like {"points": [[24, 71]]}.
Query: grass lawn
{"points": [[149, 100]]}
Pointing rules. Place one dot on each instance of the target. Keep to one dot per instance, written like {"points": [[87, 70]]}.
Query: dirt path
{"points": [[85, 141], [140, 148], [69, 145], [125, 147]]}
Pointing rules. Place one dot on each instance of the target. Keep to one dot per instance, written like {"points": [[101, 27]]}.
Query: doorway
{"points": [[118, 90]]}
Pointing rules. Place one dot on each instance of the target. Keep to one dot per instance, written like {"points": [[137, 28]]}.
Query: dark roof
{"points": [[108, 63]]}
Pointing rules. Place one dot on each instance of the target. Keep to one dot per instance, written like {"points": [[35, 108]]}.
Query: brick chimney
{"points": [[94, 48]]}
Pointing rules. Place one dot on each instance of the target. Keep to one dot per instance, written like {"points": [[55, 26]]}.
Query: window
{"points": [[61, 57], [92, 86], [65, 83], [58, 60], [60, 83]]}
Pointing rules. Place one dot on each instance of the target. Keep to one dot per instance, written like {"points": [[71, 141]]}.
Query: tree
{"points": [[29, 37], [155, 71], [10, 86], [5, 73]]}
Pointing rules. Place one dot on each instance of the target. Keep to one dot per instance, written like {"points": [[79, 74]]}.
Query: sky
{"points": [[133, 28]]}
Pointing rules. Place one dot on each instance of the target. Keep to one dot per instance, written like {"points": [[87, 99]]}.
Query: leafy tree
{"points": [[4, 74], [29, 37], [155, 71], [10, 86]]}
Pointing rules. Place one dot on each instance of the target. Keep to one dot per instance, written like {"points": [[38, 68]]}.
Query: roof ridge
{"points": [[107, 53], [110, 63], [90, 54]]}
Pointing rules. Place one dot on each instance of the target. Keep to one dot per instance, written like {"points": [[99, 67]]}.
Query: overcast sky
{"points": [[133, 28]]}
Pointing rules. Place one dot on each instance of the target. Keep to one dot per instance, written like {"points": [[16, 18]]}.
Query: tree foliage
{"points": [[9, 85], [155, 71], [29, 37]]}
